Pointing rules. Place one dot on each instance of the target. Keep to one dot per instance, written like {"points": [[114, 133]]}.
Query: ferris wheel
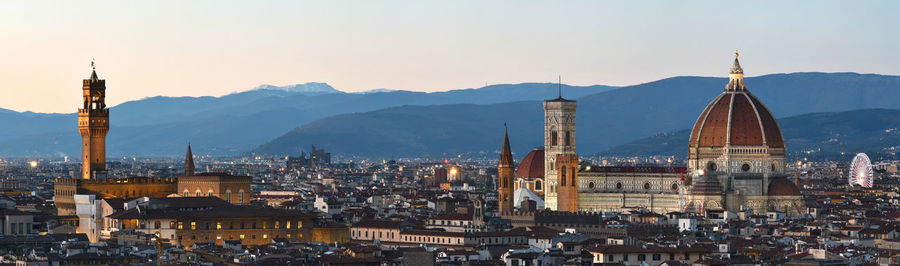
{"points": [[861, 171]]}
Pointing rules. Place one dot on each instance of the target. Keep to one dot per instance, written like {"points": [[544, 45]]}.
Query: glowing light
{"points": [[701, 172], [453, 171], [33, 164]]}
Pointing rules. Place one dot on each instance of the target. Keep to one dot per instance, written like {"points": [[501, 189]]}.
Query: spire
{"points": [[94, 77], [559, 86], [736, 76], [189, 162], [736, 67], [506, 159]]}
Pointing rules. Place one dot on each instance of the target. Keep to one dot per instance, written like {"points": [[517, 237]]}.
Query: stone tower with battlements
{"points": [[93, 124]]}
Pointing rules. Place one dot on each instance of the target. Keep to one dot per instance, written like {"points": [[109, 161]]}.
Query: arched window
{"points": [[562, 176], [228, 196], [157, 225], [241, 197], [568, 138], [572, 176], [187, 193], [198, 193], [537, 185], [553, 138], [209, 193]]}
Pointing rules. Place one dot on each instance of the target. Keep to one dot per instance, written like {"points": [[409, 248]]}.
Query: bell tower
{"points": [[505, 172], [559, 141], [93, 124]]}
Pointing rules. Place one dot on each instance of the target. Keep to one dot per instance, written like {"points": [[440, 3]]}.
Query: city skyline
{"points": [[153, 50]]}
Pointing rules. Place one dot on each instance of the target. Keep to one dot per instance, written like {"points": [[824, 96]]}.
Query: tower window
{"points": [[572, 176], [553, 138], [562, 176], [537, 185], [568, 138]]}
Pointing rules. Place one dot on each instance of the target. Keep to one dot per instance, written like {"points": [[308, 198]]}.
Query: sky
{"points": [[212, 48]]}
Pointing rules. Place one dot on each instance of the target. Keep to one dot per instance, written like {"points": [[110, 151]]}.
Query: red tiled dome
{"points": [[783, 187], [532, 165], [737, 118]]}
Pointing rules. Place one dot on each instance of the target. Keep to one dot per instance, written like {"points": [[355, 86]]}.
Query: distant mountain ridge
{"points": [[405, 123], [814, 136], [604, 120], [234, 123], [309, 88]]}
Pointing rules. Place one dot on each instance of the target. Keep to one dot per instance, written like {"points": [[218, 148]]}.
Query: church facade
{"points": [[736, 162]]}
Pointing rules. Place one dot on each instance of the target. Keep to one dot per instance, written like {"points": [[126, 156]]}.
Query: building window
{"points": [[241, 197], [656, 257], [276, 225], [568, 138], [228, 196], [642, 257], [611, 257], [745, 167], [171, 224], [218, 225], [193, 225], [647, 186], [619, 185], [562, 176], [265, 236], [157, 225], [553, 138], [572, 173], [711, 166], [287, 224], [265, 224], [209, 194], [687, 256], [538, 185], [591, 185], [197, 193], [242, 236]]}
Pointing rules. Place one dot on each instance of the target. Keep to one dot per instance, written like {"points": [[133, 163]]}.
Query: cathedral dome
{"points": [[532, 165], [783, 187], [736, 118]]}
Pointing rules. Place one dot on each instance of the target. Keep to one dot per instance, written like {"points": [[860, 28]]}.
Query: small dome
{"points": [[532, 166], [783, 187]]}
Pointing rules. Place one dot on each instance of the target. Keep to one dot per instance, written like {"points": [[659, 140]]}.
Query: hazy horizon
{"points": [[214, 48]]}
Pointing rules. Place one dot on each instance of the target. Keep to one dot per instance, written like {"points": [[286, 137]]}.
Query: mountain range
{"points": [[285, 120], [831, 135], [234, 123], [604, 120]]}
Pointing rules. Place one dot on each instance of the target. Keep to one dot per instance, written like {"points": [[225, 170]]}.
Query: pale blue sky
{"points": [[195, 48]]}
